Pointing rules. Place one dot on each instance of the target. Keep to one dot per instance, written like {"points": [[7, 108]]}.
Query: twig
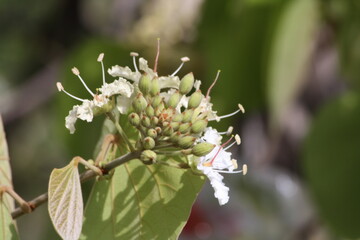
{"points": [[85, 176]]}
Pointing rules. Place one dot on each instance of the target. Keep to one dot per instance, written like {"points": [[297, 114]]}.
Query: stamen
{"points": [[213, 84], [61, 89], [77, 73], [242, 109], [237, 139], [157, 55], [100, 59], [221, 147], [232, 144], [183, 60], [243, 170], [134, 55], [229, 115], [227, 132], [234, 162]]}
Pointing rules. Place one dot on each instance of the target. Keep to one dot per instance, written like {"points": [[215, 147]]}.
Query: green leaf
{"points": [[292, 46], [7, 225], [65, 201], [141, 201], [332, 163]]}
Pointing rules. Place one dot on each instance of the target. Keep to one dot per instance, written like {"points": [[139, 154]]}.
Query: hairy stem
{"points": [[85, 176]]}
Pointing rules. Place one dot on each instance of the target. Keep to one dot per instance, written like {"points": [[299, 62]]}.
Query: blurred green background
{"points": [[294, 65]]}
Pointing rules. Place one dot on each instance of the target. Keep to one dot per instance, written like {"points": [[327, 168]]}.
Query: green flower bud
{"points": [[187, 115], [152, 133], [202, 149], [199, 126], [175, 137], [134, 119], [184, 127], [186, 83], [149, 143], [174, 100], [195, 99], [175, 125], [139, 103], [165, 124], [138, 144], [149, 110], [168, 131], [148, 157], [154, 121], [186, 142], [186, 151], [155, 87], [145, 121], [158, 130], [156, 101], [145, 83], [178, 117]]}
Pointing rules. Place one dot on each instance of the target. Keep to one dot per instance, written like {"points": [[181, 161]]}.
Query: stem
{"points": [[85, 176], [121, 131]]}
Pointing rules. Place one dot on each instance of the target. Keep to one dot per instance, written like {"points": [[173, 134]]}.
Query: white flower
{"points": [[216, 162], [143, 65], [125, 72], [120, 86]]}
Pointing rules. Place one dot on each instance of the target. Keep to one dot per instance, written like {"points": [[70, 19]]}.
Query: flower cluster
{"points": [[170, 114]]}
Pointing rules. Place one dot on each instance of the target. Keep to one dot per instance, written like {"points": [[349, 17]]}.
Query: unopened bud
{"points": [[139, 103], [174, 100], [145, 121], [175, 125], [158, 130], [156, 101], [186, 142], [202, 149], [154, 121], [195, 99], [175, 137], [186, 83], [148, 157], [199, 126], [184, 127], [145, 83], [168, 131], [134, 119], [178, 117], [149, 111], [155, 87], [149, 143], [186, 151], [152, 133], [187, 115]]}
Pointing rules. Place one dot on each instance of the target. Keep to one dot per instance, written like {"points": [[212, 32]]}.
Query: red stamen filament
{"points": [[213, 84], [157, 55], [221, 147]]}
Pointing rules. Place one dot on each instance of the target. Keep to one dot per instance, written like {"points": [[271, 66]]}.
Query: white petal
{"points": [[84, 111], [123, 103], [120, 86], [100, 100], [70, 120], [143, 65], [125, 72], [169, 82], [197, 84], [211, 135]]}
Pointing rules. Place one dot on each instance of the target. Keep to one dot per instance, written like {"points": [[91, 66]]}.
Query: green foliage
{"points": [[332, 163], [7, 225], [65, 201], [140, 201], [291, 49]]}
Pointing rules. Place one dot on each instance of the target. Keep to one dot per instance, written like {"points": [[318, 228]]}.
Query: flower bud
{"points": [[175, 137], [195, 99], [174, 100], [175, 125], [134, 119], [178, 117], [199, 126], [149, 110], [156, 101], [187, 115], [152, 133], [186, 142], [154, 121], [158, 130], [168, 131], [139, 103], [184, 127], [186, 83], [201, 149], [145, 121], [155, 87], [149, 143], [148, 157], [186, 151], [145, 83]]}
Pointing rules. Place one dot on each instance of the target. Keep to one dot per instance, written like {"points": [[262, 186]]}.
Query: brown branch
{"points": [[85, 176]]}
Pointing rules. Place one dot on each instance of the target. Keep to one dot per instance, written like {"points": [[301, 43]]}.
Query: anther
{"points": [[134, 55], [237, 139], [242, 109], [59, 86], [183, 60], [77, 73], [213, 84], [244, 169], [100, 60], [227, 132]]}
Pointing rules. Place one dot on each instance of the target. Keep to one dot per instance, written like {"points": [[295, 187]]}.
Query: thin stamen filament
{"points": [[232, 144], [103, 72], [213, 84], [178, 69], [72, 96], [221, 147], [226, 116], [134, 62], [87, 88]]}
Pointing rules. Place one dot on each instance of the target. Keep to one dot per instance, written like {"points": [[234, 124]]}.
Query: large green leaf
{"points": [[7, 225], [332, 164], [291, 50], [140, 201], [65, 201]]}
